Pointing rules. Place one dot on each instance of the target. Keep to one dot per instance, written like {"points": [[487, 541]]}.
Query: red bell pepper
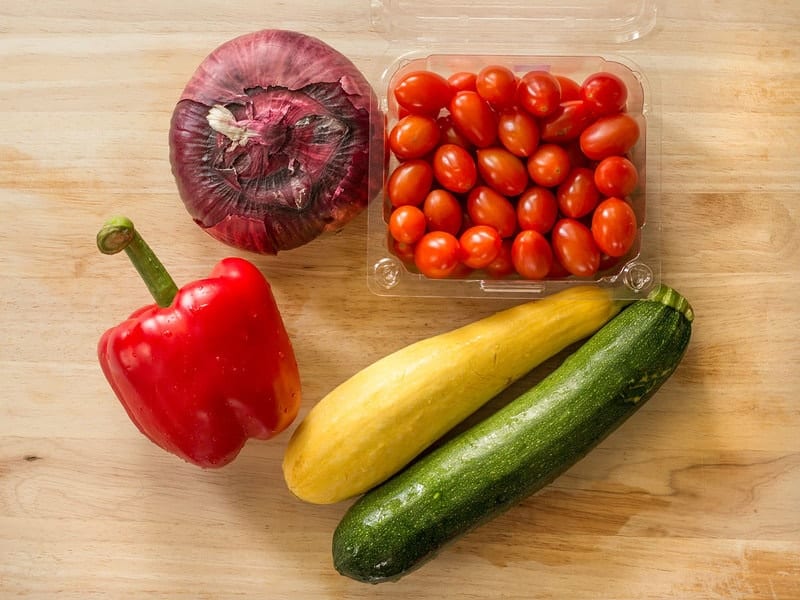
{"points": [[206, 367]]}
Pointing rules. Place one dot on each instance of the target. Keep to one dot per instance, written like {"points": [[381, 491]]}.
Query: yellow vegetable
{"points": [[375, 423]]}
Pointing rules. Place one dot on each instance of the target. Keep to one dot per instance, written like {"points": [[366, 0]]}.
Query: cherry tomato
{"points": [[607, 262], [502, 171], [442, 212], [576, 156], [537, 209], [539, 93], [502, 265], [531, 254], [410, 182], [407, 224], [461, 270], [474, 118], [575, 248], [518, 132], [497, 85], [449, 134], [486, 207], [607, 136], [462, 81], [480, 245], [403, 251], [567, 122], [614, 227], [436, 255], [570, 89], [423, 92], [454, 168], [557, 270], [414, 136], [616, 176], [549, 165], [605, 93], [577, 195]]}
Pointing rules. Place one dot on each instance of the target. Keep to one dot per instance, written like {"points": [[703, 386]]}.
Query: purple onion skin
{"points": [[288, 156]]}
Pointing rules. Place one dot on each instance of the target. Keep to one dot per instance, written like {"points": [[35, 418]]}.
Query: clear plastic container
{"points": [[572, 40]]}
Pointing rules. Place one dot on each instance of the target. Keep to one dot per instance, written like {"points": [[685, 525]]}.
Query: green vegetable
{"points": [[518, 450], [372, 425]]}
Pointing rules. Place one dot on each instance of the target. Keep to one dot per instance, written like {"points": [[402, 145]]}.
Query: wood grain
{"points": [[698, 496]]}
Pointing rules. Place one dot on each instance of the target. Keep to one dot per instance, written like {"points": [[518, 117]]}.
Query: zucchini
{"points": [[519, 449], [375, 423]]}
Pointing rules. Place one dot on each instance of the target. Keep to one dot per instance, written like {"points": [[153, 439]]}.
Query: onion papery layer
{"points": [[270, 141]]}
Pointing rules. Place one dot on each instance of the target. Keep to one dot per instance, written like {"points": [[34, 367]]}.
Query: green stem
{"points": [[119, 234], [669, 297]]}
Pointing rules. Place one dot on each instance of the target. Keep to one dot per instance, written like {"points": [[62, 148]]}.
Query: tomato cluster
{"points": [[512, 175]]}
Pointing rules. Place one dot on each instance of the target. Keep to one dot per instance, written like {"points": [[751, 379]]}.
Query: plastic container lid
{"points": [[553, 21]]}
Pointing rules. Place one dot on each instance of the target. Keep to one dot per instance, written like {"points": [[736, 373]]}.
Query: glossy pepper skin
{"points": [[210, 370]]}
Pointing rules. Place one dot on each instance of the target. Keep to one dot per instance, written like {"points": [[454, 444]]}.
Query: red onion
{"points": [[269, 142]]}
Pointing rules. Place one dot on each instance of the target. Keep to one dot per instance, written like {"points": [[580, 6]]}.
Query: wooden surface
{"points": [[698, 496]]}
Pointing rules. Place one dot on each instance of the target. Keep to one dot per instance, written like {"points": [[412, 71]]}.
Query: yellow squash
{"points": [[375, 423]]}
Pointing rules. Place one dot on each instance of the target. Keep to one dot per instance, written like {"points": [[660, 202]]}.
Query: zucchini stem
{"points": [[669, 297]]}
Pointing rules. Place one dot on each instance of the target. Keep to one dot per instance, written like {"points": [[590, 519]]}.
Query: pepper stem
{"points": [[119, 234]]}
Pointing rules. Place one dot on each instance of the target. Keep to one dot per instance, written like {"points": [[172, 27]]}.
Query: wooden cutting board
{"points": [[697, 496]]}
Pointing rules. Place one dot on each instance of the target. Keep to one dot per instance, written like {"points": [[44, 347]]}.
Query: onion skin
{"points": [[270, 141]]}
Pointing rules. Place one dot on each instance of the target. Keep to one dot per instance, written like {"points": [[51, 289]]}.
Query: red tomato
{"points": [[570, 89], [461, 270], [607, 262], [502, 265], [423, 92], [537, 209], [402, 112], [518, 132], [577, 195], [486, 207], [605, 93], [502, 171], [557, 270], [414, 136], [575, 248], [616, 176], [607, 136], [407, 224], [410, 182], [539, 93], [403, 251], [567, 122], [454, 168], [531, 255], [480, 245], [497, 85], [436, 255], [442, 211], [448, 133], [474, 118], [462, 81], [549, 165], [614, 227], [576, 156]]}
